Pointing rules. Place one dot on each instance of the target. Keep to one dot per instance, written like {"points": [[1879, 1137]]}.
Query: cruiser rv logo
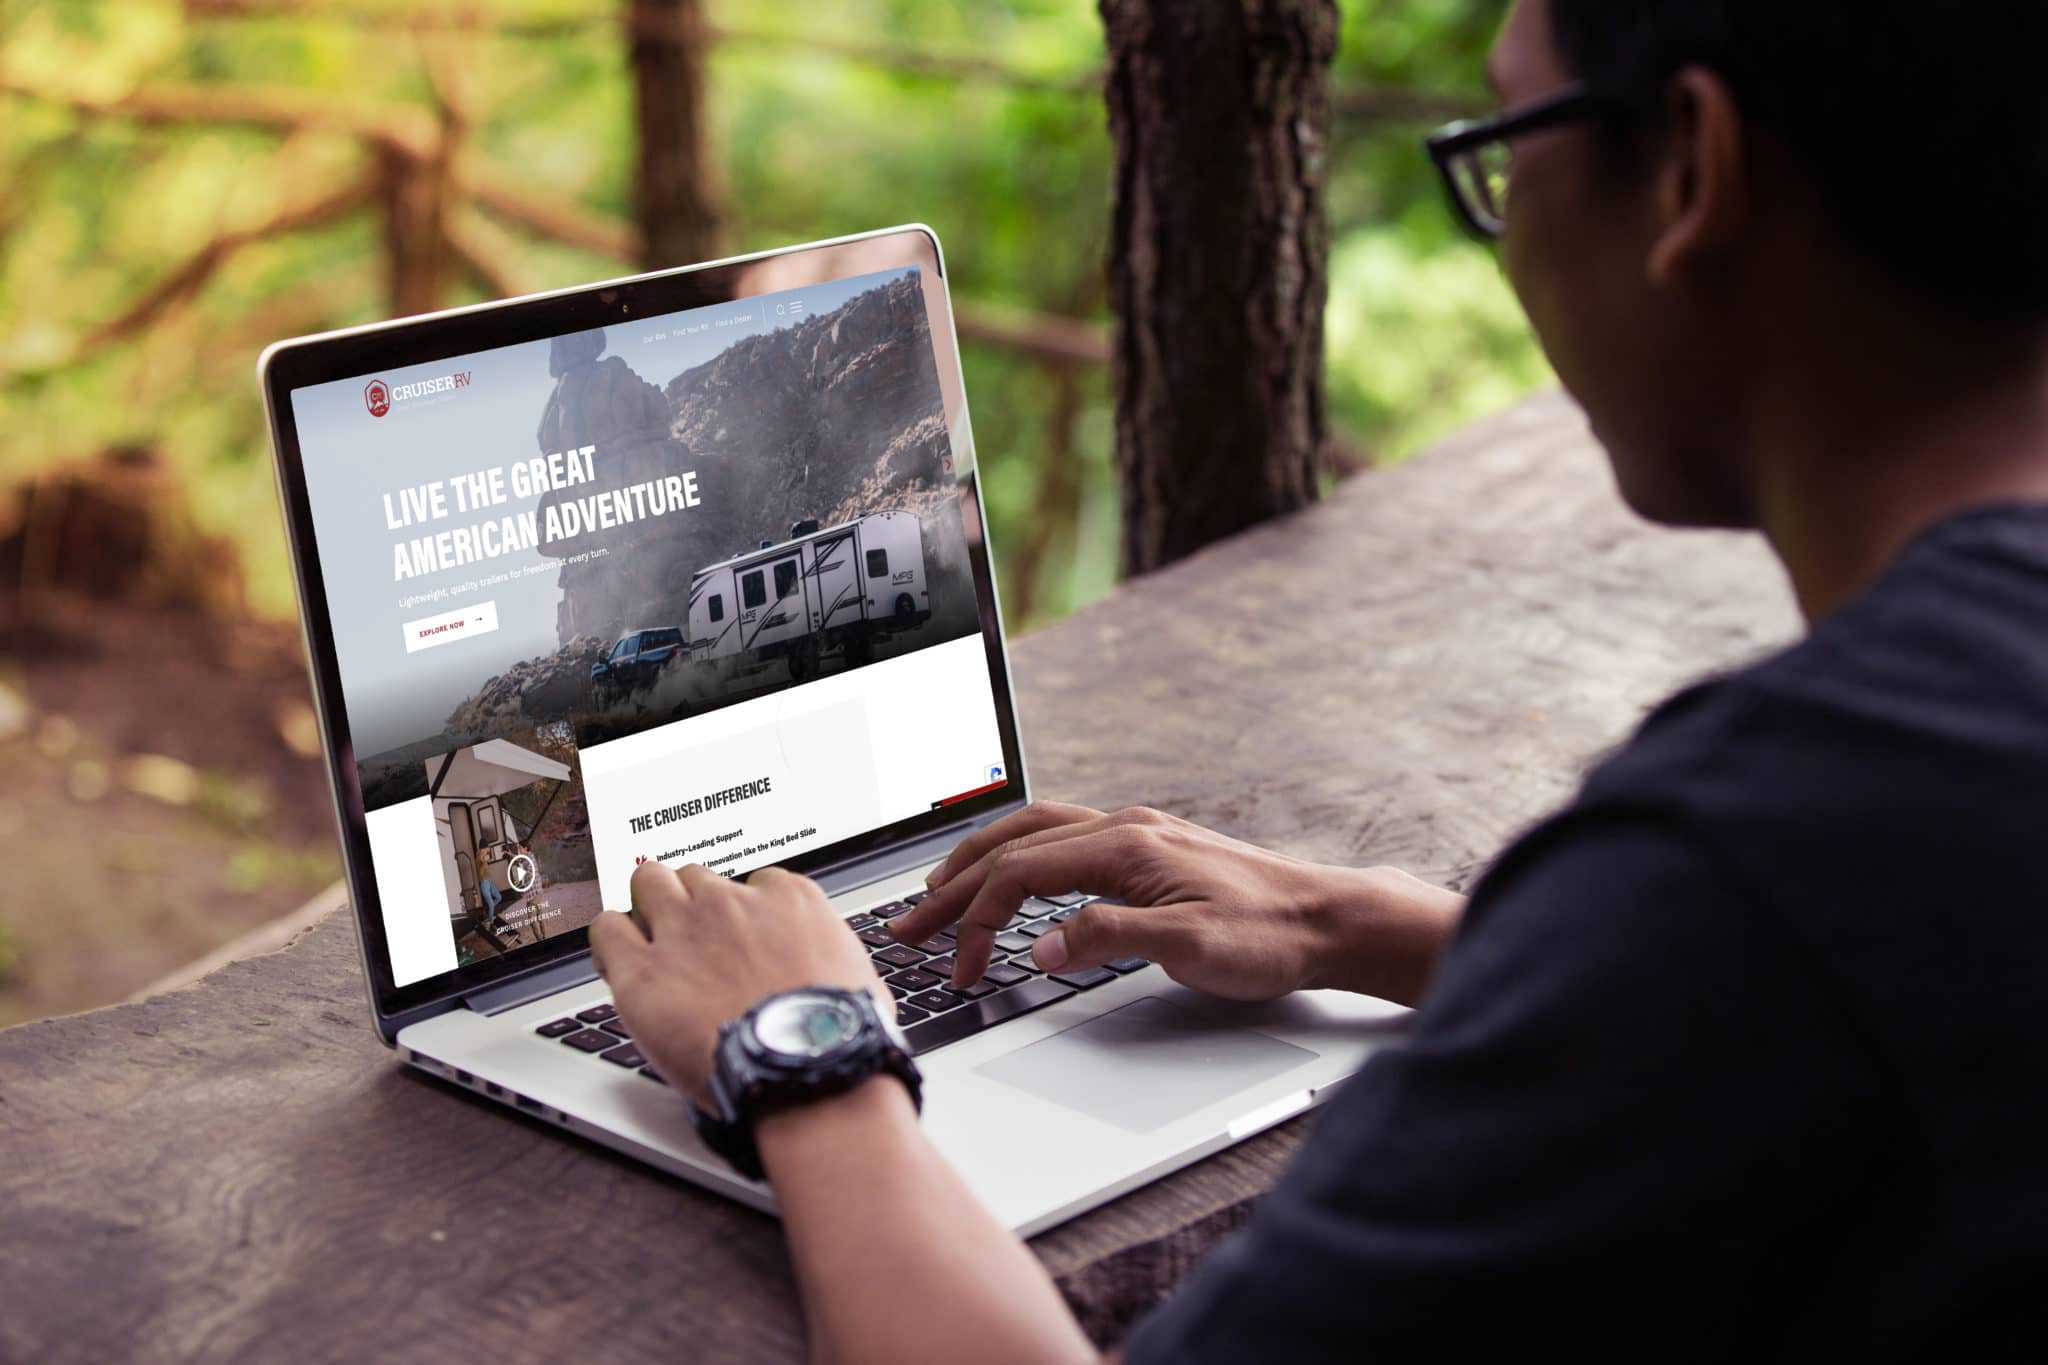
{"points": [[380, 397]]}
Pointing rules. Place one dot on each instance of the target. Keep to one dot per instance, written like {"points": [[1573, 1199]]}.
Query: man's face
{"points": [[1642, 358]]}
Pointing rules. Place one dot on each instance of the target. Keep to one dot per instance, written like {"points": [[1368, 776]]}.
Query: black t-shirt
{"points": [[1743, 1055]]}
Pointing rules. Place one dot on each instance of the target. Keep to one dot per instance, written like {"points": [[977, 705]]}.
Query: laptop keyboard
{"points": [[931, 1013]]}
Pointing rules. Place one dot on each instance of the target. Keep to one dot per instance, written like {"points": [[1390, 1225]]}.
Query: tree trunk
{"points": [[1219, 263], [674, 196], [414, 201]]}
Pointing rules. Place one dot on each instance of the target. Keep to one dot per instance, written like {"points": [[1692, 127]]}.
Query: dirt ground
{"points": [[163, 795]]}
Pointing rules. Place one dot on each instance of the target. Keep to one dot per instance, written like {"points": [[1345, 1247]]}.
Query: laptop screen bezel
{"points": [[294, 365]]}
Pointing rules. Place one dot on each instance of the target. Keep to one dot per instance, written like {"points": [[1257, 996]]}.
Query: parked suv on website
{"points": [[635, 662]]}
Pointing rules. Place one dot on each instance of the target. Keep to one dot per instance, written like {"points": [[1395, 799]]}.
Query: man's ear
{"points": [[1702, 188]]}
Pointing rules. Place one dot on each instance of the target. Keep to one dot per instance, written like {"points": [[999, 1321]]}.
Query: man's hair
{"points": [[1924, 126]]}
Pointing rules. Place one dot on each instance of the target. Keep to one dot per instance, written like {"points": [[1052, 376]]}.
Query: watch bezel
{"points": [[763, 1053]]}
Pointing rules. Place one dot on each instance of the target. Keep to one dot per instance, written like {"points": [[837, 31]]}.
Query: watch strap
{"points": [[739, 1095]]}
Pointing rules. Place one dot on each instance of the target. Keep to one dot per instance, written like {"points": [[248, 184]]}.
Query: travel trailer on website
{"points": [[690, 589]]}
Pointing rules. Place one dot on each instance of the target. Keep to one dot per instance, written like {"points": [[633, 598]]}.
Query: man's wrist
{"points": [[875, 1107], [1380, 932]]}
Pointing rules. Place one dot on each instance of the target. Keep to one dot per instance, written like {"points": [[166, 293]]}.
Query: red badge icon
{"points": [[377, 397]]}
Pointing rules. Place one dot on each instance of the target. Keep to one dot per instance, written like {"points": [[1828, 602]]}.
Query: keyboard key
{"points": [[1062, 917], [555, 1028], [597, 1014], [916, 979], [934, 945], [617, 1026], [914, 897], [625, 1056], [860, 922], [1124, 966], [906, 1015], [891, 910], [591, 1040], [1036, 928], [1005, 974], [878, 937], [898, 992], [1069, 901], [898, 956], [941, 966], [950, 933], [972, 1019], [974, 992], [649, 1073], [937, 1001], [1037, 907], [1087, 979], [1012, 943]]}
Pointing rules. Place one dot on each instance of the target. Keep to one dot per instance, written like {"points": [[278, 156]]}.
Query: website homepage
{"points": [[689, 589]]}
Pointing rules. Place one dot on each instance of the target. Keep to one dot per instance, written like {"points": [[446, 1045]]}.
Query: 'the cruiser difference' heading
{"points": [[526, 480]]}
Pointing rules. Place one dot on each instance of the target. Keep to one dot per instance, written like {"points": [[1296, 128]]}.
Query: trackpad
{"points": [[1145, 1065]]}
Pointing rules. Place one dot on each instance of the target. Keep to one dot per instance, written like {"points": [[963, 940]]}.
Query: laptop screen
{"points": [[688, 588]]}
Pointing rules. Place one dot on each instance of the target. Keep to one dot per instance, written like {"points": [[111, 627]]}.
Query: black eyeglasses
{"points": [[1475, 157]]}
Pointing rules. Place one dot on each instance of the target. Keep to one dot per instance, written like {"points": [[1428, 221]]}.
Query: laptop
{"points": [[693, 567]]}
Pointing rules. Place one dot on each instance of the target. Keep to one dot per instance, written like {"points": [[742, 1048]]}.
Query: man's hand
{"points": [[711, 950], [1222, 917]]}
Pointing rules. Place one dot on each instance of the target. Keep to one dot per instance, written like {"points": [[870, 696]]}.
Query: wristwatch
{"points": [[790, 1049]]}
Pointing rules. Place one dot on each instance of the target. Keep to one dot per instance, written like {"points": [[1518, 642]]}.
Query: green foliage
{"points": [[1422, 344], [811, 142]]}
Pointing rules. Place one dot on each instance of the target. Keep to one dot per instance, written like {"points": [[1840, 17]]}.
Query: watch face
{"points": [[806, 1025]]}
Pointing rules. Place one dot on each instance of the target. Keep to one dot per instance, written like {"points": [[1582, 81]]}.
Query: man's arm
{"points": [[896, 1260], [1222, 916]]}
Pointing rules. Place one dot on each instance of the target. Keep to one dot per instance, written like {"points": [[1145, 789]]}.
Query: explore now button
{"points": [[450, 626]]}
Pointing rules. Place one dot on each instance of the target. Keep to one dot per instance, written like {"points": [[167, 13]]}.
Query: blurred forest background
{"points": [[182, 183]]}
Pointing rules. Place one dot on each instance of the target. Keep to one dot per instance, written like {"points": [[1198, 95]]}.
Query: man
{"points": [[1737, 1055]]}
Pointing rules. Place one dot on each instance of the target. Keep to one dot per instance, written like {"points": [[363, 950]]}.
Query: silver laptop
{"points": [[693, 567]]}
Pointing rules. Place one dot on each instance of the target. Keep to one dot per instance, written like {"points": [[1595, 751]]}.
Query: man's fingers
{"points": [[941, 907], [701, 882], [1037, 816], [781, 883], [660, 897], [950, 901], [616, 945], [1103, 932], [1094, 862]]}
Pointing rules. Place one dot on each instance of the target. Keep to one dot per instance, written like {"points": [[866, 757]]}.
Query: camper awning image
{"points": [[493, 768]]}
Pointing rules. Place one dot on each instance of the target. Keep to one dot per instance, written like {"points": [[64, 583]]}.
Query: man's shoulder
{"points": [[1876, 789], [1929, 691], [1875, 792]]}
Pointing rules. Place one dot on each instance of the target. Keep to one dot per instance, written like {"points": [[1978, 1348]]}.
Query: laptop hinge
{"points": [[509, 995]]}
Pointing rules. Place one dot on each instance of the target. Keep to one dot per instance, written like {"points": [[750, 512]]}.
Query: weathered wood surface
{"points": [[1406, 674]]}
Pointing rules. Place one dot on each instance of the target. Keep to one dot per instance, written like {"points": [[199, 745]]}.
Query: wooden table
{"points": [[1407, 674]]}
